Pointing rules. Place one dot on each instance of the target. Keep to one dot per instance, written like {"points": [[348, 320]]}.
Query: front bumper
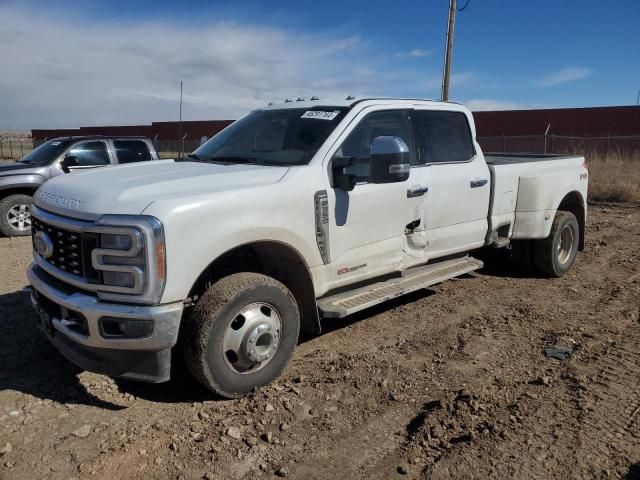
{"points": [[71, 321]]}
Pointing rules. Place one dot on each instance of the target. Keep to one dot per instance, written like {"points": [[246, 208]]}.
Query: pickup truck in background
{"points": [[19, 180], [294, 212]]}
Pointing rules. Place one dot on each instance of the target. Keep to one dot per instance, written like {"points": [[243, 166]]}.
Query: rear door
{"points": [[131, 150], [457, 203]]}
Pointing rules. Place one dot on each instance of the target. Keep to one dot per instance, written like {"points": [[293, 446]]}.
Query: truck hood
{"points": [[16, 168], [129, 189]]}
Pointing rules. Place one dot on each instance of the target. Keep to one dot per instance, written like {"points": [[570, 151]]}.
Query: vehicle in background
{"points": [[19, 180], [295, 211]]}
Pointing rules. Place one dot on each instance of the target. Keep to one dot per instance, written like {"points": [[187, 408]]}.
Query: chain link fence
{"points": [[175, 148], [623, 146], [14, 148]]}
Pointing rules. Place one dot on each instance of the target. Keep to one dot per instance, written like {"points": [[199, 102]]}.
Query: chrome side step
{"points": [[345, 303]]}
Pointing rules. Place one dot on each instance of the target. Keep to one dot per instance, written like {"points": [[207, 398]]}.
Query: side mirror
{"points": [[67, 162], [342, 180], [390, 160]]}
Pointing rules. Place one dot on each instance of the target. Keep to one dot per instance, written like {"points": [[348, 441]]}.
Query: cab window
{"points": [[129, 151], [358, 144], [443, 137], [90, 154]]}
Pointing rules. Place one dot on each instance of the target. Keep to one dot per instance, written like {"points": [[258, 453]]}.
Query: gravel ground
{"points": [[447, 383]]}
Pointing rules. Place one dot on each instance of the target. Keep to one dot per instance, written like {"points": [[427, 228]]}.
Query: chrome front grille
{"points": [[71, 250]]}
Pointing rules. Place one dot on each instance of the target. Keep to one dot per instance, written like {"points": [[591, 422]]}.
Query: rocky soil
{"points": [[450, 383]]}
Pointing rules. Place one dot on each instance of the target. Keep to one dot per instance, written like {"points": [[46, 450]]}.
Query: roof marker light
{"points": [[287, 100], [315, 98], [350, 97], [299, 99]]}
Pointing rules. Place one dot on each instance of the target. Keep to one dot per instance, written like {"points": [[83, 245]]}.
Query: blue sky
{"points": [[119, 62]]}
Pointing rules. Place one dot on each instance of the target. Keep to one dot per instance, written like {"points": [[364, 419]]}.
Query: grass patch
{"points": [[614, 178]]}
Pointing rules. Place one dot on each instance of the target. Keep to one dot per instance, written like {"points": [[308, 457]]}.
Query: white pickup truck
{"points": [[295, 211]]}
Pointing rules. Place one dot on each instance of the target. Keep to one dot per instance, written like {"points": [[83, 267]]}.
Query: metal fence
{"points": [[14, 148], [605, 145], [175, 148]]}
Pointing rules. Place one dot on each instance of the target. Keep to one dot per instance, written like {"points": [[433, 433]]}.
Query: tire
{"points": [[218, 334], [15, 215], [555, 255]]}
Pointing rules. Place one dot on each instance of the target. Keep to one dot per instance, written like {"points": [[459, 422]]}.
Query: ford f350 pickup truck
{"points": [[295, 211]]}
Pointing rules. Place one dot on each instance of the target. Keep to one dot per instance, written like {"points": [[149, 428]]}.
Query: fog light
{"points": [[125, 328]]}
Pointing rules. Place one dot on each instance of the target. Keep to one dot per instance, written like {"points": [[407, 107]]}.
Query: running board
{"points": [[345, 303]]}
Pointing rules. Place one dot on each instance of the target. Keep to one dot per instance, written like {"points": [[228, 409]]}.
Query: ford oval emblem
{"points": [[43, 244]]}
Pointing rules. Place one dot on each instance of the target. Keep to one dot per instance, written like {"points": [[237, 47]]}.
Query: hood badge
{"points": [[43, 244], [59, 201]]}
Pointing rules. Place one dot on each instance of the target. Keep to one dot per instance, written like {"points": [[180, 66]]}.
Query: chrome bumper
{"points": [[166, 318]]}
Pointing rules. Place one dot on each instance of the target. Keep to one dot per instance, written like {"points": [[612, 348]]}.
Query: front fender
{"points": [[30, 181]]}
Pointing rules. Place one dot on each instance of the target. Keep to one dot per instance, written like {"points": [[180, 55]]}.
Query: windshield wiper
{"points": [[234, 159], [196, 157]]}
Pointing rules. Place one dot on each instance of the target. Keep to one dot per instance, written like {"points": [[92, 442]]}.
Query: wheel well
{"points": [[275, 259], [574, 203], [17, 191]]}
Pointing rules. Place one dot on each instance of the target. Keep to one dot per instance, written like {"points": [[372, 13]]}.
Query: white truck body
{"points": [[340, 237]]}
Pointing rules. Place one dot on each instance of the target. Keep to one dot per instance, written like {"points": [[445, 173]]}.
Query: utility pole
{"points": [[180, 125], [446, 75]]}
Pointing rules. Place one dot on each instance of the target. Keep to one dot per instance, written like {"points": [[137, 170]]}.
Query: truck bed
{"points": [[510, 158]]}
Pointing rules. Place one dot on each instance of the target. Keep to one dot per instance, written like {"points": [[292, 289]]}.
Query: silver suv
{"points": [[19, 180]]}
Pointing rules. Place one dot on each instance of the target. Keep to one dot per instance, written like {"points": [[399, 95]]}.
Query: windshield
{"points": [[285, 137], [45, 153]]}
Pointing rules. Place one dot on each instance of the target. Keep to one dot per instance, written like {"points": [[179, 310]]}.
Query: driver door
{"points": [[367, 224]]}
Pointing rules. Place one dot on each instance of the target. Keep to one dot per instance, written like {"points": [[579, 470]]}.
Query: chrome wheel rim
{"points": [[252, 338], [19, 217], [565, 246]]}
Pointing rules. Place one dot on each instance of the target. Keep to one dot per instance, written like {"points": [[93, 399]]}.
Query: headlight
{"points": [[121, 260], [130, 257]]}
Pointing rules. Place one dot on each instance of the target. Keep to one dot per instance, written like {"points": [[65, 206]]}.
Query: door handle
{"points": [[417, 191], [480, 182]]}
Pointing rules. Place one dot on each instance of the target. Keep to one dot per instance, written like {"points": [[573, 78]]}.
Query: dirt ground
{"points": [[451, 383]]}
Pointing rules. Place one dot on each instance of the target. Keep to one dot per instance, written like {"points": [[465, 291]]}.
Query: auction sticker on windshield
{"points": [[320, 115]]}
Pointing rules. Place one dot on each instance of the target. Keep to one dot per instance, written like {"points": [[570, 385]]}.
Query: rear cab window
{"points": [[443, 136], [131, 151]]}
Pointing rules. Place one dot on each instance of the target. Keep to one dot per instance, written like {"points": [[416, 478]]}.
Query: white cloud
{"points": [[564, 76], [482, 104], [65, 72], [415, 53]]}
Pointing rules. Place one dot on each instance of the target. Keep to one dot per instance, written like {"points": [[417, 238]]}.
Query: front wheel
{"points": [[555, 254], [241, 334], [15, 215]]}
